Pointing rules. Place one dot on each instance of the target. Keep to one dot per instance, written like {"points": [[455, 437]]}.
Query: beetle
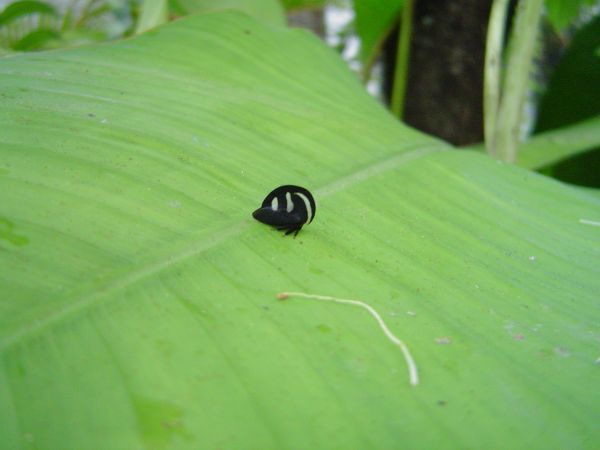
{"points": [[287, 208]]}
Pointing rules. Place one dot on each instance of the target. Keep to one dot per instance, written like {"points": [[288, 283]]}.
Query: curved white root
{"points": [[412, 367]]}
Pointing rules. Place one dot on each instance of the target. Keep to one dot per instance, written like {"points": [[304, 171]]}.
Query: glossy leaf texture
{"points": [[138, 305]]}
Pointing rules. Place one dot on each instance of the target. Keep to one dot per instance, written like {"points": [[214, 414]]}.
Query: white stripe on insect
{"points": [[274, 204], [289, 204], [309, 212]]}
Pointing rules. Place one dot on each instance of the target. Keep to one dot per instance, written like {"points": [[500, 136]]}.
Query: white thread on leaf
{"points": [[589, 222], [413, 373]]}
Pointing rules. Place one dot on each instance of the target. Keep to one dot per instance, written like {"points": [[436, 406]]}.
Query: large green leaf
{"points": [[138, 301]]}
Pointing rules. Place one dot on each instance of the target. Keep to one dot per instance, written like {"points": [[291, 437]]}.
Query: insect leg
{"points": [[293, 229]]}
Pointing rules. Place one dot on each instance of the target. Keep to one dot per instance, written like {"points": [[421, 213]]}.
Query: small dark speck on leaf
{"points": [[441, 402], [247, 32]]}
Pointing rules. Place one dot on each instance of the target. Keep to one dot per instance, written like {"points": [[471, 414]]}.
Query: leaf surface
{"points": [[270, 11], [138, 303]]}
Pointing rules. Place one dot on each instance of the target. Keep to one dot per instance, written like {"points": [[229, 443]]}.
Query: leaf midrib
{"points": [[91, 294]]}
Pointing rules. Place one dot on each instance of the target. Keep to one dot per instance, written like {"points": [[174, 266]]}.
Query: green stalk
{"points": [[402, 56], [492, 70], [514, 88], [559, 144]]}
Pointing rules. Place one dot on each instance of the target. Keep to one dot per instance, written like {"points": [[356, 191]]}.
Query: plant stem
{"points": [[559, 144], [402, 56], [492, 70], [514, 88]]}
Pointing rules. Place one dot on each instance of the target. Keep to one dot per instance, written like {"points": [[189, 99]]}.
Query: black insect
{"points": [[287, 208]]}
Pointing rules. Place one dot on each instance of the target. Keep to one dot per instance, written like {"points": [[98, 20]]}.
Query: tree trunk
{"points": [[445, 82]]}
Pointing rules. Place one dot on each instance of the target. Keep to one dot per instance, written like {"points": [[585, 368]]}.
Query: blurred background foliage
{"points": [[32, 25], [442, 70]]}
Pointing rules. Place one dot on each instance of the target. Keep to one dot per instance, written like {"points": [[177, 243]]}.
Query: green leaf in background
{"points": [[16, 29], [270, 11], [561, 13], [299, 4], [138, 301], [573, 94], [36, 40], [153, 13], [20, 9], [374, 21]]}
